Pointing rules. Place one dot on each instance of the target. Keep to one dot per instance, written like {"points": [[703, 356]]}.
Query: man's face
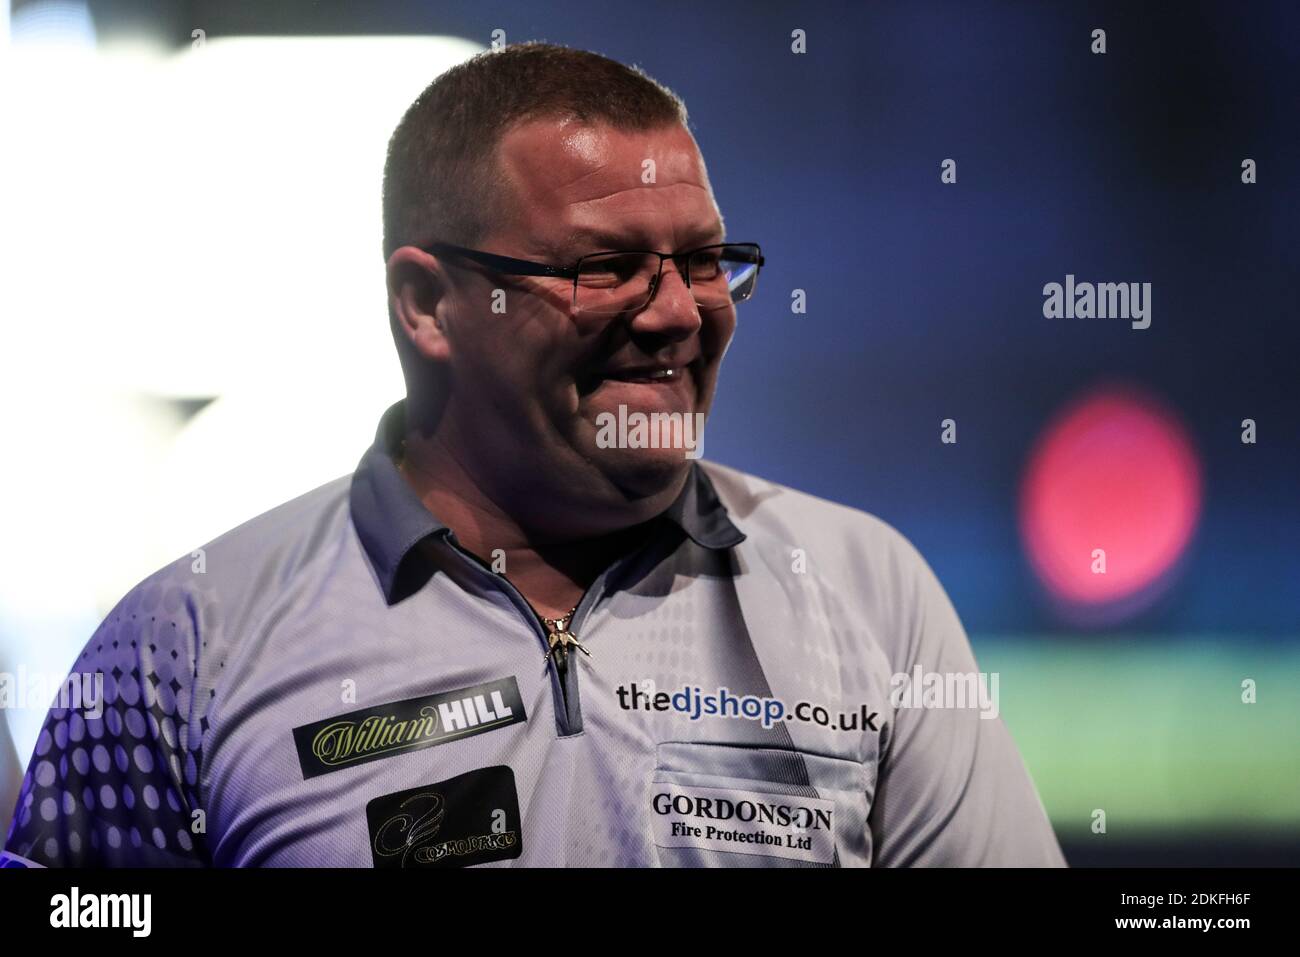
{"points": [[529, 385]]}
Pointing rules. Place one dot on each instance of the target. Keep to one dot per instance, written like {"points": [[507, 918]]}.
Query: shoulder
{"points": [[226, 579], [287, 537], [776, 514], [868, 565]]}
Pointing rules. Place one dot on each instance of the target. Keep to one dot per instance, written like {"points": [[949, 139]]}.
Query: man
{"points": [[527, 630]]}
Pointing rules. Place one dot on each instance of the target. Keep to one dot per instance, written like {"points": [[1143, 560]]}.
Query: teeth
{"points": [[639, 376]]}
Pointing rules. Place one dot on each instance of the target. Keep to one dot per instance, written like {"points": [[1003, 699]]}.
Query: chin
{"points": [[645, 473]]}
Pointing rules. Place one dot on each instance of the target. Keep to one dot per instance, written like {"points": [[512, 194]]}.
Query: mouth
{"points": [[659, 377]]}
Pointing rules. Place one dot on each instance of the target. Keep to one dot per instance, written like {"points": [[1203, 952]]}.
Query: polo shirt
{"points": [[337, 682]]}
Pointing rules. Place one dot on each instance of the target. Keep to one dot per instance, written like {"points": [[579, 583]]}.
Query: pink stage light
{"points": [[1114, 471]]}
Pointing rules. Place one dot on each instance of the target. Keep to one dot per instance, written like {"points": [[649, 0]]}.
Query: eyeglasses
{"points": [[609, 283]]}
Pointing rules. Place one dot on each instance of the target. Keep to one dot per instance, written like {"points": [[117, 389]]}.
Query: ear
{"points": [[417, 287]]}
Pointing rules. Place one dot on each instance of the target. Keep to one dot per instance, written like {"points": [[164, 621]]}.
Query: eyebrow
{"points": [[589, 239]]}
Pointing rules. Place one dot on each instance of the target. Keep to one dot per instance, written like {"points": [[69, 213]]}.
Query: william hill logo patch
{"points": [[402, 726]]}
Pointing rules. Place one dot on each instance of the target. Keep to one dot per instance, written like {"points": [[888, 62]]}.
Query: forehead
{"points": [[569, 181]]}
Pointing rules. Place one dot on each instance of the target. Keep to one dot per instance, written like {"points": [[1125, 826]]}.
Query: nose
{"points": [[672, 312]]}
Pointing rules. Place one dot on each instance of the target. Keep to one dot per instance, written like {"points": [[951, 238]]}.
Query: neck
{"points": [[552, 576]]}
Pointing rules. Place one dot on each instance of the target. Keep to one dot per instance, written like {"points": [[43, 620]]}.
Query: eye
{"points": [[612, 268], [705, 265]]}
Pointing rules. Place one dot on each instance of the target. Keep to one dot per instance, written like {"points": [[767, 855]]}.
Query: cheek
{"points": [[716, 332], [535, 378], [515, 352], [520, 359]]}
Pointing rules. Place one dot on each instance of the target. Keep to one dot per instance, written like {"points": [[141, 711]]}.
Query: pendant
{"points": [[561, 639]]}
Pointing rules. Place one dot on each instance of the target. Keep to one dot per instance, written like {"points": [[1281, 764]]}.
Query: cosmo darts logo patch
{"points": [[472, 818], [402, 726]]}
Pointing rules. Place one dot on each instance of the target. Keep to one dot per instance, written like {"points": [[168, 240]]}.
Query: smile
{"points": [[646, 374]]}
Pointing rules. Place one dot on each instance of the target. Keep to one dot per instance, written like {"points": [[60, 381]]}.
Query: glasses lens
{"points": [[722, 275], [611, 283]]}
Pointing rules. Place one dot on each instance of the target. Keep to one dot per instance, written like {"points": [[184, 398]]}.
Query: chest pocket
{"points": [[725, 805]]}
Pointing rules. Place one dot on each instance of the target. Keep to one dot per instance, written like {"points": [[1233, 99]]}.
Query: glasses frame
{"points": [[510, 266]]}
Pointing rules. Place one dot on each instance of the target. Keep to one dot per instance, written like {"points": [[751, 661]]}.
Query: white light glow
{"points": [[196, 224]]}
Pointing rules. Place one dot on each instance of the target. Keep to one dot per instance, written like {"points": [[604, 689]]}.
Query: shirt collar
{"points": [[391, 520]]}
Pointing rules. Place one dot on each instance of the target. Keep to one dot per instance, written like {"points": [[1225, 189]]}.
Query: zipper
{"points": [[564, 679], [559, 639]]}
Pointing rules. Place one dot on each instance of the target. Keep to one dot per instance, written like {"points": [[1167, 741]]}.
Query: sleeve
{"points": [[953, 790], [113, 780]]}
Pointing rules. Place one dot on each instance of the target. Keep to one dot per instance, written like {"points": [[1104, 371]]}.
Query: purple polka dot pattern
{"points": [[93, 793]]}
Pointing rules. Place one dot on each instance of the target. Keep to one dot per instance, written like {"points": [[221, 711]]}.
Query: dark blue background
{"points": [[924, 300]]}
